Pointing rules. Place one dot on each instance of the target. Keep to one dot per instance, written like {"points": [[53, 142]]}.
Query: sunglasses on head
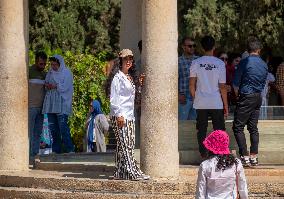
{"points": [[191, 45]]}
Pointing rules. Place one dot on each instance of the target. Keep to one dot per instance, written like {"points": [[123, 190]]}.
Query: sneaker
{"points": [[253, 160], [245, 161], [146, 177], [142, 177]]}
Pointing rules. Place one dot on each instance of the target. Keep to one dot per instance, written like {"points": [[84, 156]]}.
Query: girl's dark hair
{"points": [[224, 161], [115, 69], [232, 56]]}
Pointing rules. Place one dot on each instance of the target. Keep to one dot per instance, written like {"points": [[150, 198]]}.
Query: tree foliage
{"points": [[74, 25], [231, 22]]}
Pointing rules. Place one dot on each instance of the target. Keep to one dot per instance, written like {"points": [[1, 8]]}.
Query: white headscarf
{"points": [[63, 79]]}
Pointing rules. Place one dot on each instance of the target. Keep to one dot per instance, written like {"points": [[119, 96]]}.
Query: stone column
{"points": [[130, 26], [14, 85], [159, 122]]}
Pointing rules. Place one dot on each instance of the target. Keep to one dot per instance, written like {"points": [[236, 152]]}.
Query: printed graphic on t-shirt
{"points": [[208, 66], [209, 72]]}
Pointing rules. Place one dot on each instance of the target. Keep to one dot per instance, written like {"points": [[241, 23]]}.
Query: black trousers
{"points": [[218, 121], [247, 113]]}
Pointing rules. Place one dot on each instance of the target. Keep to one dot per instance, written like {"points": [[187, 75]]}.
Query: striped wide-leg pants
{"points": [[125, 163]]}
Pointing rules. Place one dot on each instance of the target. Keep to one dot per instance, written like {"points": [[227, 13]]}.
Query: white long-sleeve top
{"points": [[219, 184], [122, 96]]}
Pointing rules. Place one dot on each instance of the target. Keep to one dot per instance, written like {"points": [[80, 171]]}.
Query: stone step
{"points": [[185, 170], [186, 157], [78, 157], [72, 183], [74, 166], [28, 193], [271, 145], [264, 157], [93, 183]]}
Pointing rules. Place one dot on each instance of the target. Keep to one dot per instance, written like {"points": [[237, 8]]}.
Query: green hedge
{"points": [[89, 77]]}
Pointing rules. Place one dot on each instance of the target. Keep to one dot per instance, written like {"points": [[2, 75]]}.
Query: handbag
{"points": [[237, 182]]}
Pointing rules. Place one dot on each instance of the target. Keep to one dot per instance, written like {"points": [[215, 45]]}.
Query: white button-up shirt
{"points": [[219, 184], [122, 96]]}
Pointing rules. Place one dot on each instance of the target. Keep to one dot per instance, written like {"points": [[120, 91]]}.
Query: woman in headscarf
{"points": [[121, 86], [97, 126], [58, 103]]}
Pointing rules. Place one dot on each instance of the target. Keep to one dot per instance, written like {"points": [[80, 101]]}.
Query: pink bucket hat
{"points": [[217, 142]]}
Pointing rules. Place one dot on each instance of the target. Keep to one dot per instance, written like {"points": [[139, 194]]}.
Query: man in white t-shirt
{"points": [[208, 89]]}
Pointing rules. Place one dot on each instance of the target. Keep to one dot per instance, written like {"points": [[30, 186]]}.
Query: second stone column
{"points": [[159, 120]]}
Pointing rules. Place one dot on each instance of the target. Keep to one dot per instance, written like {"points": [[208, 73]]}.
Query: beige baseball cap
{"points": [[125, 53]]}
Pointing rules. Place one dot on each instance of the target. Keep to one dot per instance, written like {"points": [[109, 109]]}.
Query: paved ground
{"points": [[187, 173]]}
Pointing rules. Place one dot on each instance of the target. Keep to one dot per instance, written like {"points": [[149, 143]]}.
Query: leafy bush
{"points": [[89, 77]]}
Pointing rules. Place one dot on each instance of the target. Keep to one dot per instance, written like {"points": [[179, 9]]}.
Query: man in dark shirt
{"points": [[249, 81], [36, 97]]}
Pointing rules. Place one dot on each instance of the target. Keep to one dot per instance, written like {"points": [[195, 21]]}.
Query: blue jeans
{"points": [[35, 129], [60, 132], [186, 111]]}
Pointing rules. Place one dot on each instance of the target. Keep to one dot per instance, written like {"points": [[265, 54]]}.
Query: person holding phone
{"points": [[58, 103]]}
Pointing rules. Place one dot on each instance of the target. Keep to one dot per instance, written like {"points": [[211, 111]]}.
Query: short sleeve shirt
{"points": [[209, 71]]}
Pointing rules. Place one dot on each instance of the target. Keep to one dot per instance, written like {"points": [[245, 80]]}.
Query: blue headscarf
{"points": [[96, 111]]}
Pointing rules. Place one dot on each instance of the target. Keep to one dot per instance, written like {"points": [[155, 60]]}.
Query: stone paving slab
{"points": [[93, 182], [28, 193], [63, 181], [185, 170]]}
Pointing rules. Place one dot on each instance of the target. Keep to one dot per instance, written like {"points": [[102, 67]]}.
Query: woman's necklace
{"points": [[129, 77]]}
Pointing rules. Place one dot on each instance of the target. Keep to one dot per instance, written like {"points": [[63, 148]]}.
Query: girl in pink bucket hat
{"points": [[222, 174]]}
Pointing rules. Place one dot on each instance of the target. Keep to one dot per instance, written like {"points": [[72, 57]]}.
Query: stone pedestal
{"points": [[159, 123], [271, 145], [14, 85], [188, 144]]}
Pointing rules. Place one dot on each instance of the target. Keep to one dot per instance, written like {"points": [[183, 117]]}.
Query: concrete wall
{"points": [[130, 26]]}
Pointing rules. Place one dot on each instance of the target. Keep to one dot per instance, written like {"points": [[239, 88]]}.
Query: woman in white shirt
{"points": [[121, 87], [222, 175]]}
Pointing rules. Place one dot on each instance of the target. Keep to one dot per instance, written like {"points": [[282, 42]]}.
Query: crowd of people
{"points": [[212, 86], [50, 97], [272, 94], [208, 87]]}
